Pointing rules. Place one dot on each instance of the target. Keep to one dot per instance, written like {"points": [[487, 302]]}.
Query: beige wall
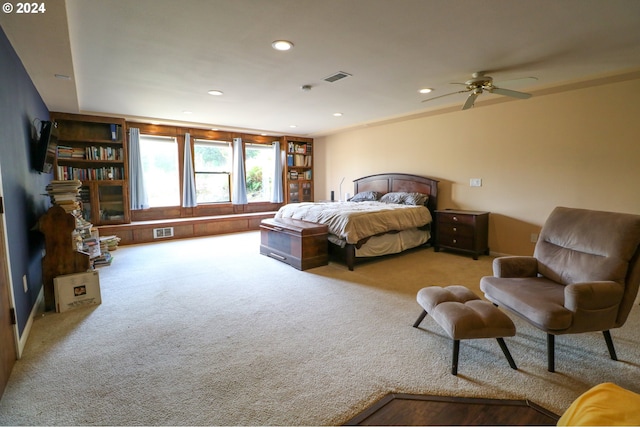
{"points": [[578, 148]]}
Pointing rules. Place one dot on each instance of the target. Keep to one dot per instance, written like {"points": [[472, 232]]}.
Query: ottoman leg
{"points": [[456, 352], [420, 318], [507, 353]]}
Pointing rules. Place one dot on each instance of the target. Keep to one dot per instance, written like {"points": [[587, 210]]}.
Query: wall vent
{"points": [[162, 232], [337, 76]]}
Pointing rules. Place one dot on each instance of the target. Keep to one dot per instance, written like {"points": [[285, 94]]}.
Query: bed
{"points": [[374, 225]]}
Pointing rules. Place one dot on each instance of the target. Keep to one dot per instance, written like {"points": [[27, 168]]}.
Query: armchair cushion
{"points": [[537, 299]]}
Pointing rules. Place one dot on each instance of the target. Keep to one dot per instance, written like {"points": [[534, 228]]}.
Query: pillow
{"points": [[416, 199], [404, 198], [365, 196]]}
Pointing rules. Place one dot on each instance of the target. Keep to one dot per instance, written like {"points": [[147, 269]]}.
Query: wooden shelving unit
{"points": [[61, 256], [298, 169], [93, 150]]}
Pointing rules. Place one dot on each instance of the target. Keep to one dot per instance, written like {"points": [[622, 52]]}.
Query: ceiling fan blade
{"points": [[471, 99], [442, 96], [511, 93]]}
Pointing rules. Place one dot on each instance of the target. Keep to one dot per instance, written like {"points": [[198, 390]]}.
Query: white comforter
{"points": [[354, 221]]}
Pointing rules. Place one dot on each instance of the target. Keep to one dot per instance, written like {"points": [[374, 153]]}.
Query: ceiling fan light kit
{"points": [[477, 85]]}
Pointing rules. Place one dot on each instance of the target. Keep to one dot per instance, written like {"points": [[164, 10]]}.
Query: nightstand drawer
{"points": [[456, 242], [455, 218], [447, 228]]}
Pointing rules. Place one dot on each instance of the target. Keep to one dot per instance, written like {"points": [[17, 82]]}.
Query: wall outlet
{"points": [[475, 182], [534, 237], [25, 284]]}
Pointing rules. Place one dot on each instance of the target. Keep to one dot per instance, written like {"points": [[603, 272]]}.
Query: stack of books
{"points": [[65, 194], [107, 244]]}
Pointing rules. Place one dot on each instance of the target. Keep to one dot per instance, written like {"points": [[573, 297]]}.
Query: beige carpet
{"points": [[209, 332]]}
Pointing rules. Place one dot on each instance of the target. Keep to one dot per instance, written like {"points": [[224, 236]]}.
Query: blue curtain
{"points": [[137, 190], [188, 180], [239, 194], [277, 195]]}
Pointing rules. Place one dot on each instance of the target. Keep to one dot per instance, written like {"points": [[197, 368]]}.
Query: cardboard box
{"points": [[76, 290]]}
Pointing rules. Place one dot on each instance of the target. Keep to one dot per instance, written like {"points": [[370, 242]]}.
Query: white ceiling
{"points": [[155, 59]]}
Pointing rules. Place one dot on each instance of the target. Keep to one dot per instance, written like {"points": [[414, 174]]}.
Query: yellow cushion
{"points": [[604, 404]]}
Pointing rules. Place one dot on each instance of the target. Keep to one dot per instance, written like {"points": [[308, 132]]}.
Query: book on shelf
{"points": [[299, 147]]}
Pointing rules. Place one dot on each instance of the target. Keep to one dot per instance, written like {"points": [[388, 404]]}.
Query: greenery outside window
{"points": [[259, 166], [212, 170]]}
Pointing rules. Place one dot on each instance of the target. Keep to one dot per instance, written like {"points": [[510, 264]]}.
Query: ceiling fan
{"points": [[480, 83]]}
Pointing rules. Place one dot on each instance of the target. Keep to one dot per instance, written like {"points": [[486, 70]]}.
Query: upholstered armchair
{"points": [[583, 275]]}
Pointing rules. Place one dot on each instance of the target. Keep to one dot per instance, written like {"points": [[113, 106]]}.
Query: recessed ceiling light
{"points": [[282, 45], [337, 114], [426, 90], [215, 92], [293, 126]]}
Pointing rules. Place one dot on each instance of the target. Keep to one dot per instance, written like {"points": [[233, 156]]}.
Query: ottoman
{"points": [[463, 315]]}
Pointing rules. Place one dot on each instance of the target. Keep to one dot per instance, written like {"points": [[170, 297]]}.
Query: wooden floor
{"points": [[408, 409]]}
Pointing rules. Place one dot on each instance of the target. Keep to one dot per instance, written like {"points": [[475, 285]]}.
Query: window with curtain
{"points": [[160, 165], [212, 170], [259, 164]]}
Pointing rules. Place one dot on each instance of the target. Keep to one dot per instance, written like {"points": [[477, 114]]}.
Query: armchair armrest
{"points": [[592, 295], [515, 266]]}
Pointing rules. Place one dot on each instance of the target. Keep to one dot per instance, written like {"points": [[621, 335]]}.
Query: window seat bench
{"points": [[182, 228]]}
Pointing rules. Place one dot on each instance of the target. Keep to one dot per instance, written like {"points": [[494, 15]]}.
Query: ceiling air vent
{"points": [[337, 76]]}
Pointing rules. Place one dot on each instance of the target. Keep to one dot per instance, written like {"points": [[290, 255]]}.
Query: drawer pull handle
{"points": [[455, 241], [278, 228], [455, 218], [280, 257], [455, 229]]}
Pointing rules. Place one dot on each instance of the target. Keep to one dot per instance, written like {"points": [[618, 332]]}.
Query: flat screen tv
{"points": [[45, 150]]}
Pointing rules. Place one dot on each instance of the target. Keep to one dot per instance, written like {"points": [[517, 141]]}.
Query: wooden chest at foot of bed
{"points": [[300, 244]]}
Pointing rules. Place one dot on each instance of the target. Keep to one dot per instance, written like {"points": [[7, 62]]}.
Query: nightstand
{"points": [[466, 231]]}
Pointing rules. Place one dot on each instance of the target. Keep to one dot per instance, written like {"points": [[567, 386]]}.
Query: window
{"points": [[259, 166], [161, 170], [212, 170]]}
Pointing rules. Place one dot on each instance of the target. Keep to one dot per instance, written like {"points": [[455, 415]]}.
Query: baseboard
{"points": [[38, 307]]}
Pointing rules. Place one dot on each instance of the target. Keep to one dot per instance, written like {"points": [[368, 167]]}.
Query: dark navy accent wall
{"points": [[21, 108]]}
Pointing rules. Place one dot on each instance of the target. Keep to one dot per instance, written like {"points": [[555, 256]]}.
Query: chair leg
{"points": [[612, 350], [420, 318], [456, 352], [507, 353], [551, 363]]}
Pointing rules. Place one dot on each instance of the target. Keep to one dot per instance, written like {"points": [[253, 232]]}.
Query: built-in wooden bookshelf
{"points": [[298, 169], [92, 149]]}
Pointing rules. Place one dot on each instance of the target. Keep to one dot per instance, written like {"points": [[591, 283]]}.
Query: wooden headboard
{"points": [[390, 182]]}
